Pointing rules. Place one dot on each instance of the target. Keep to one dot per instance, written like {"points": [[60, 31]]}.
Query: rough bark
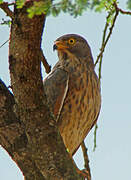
{"points": [[27, 128], [12, 135]]}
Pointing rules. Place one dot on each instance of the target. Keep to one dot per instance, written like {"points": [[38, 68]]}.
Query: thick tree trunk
{"points": [[27, 128]]}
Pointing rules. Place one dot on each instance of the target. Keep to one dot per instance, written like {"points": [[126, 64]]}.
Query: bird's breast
{"points": [[80, 108]]}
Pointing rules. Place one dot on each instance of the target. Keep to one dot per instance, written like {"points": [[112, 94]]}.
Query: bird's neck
{"points": [[68, 59], [73, 64]]}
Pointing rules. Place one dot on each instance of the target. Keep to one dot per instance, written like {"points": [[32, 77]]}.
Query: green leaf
{"points": [[100, 6], [38, 8], [105, 5], [55, 11], [73, 7], [94, 3], [20, 3], [1, 1], [110, 19]]}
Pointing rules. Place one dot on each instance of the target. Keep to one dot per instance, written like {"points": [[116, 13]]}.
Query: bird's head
{"points": [[73, 44]]}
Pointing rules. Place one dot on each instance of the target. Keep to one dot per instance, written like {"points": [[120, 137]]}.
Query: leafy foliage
{"points": [[39, 8], [73, 7], [108, 6], [105, 5], [20, 3], [94, 3]]}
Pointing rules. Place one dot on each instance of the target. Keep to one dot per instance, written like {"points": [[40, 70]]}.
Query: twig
{"points": [[105, 40], [45, 63], [4, 43], [86, 159], [11, 4], [96, 126], [120, 10], [5, 7]]}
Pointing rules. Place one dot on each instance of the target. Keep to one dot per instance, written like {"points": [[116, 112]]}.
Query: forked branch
{"points": [[106, 37], [5, 7]]}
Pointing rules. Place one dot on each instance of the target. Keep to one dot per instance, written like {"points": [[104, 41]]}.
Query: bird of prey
{"points": [[73, 90]]}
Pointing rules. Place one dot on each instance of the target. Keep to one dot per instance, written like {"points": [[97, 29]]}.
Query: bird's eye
{"points": [[71, 41]]}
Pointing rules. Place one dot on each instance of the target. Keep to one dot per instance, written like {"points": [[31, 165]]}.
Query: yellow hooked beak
{"points": [[59, 45]]}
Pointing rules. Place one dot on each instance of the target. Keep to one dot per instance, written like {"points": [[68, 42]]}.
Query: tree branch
{"points": [[96, 126], [121, 10], [12, 135], [5, 7], [44, 61], [105, 40], [4, 43], [86, 159], [45, 147]]}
